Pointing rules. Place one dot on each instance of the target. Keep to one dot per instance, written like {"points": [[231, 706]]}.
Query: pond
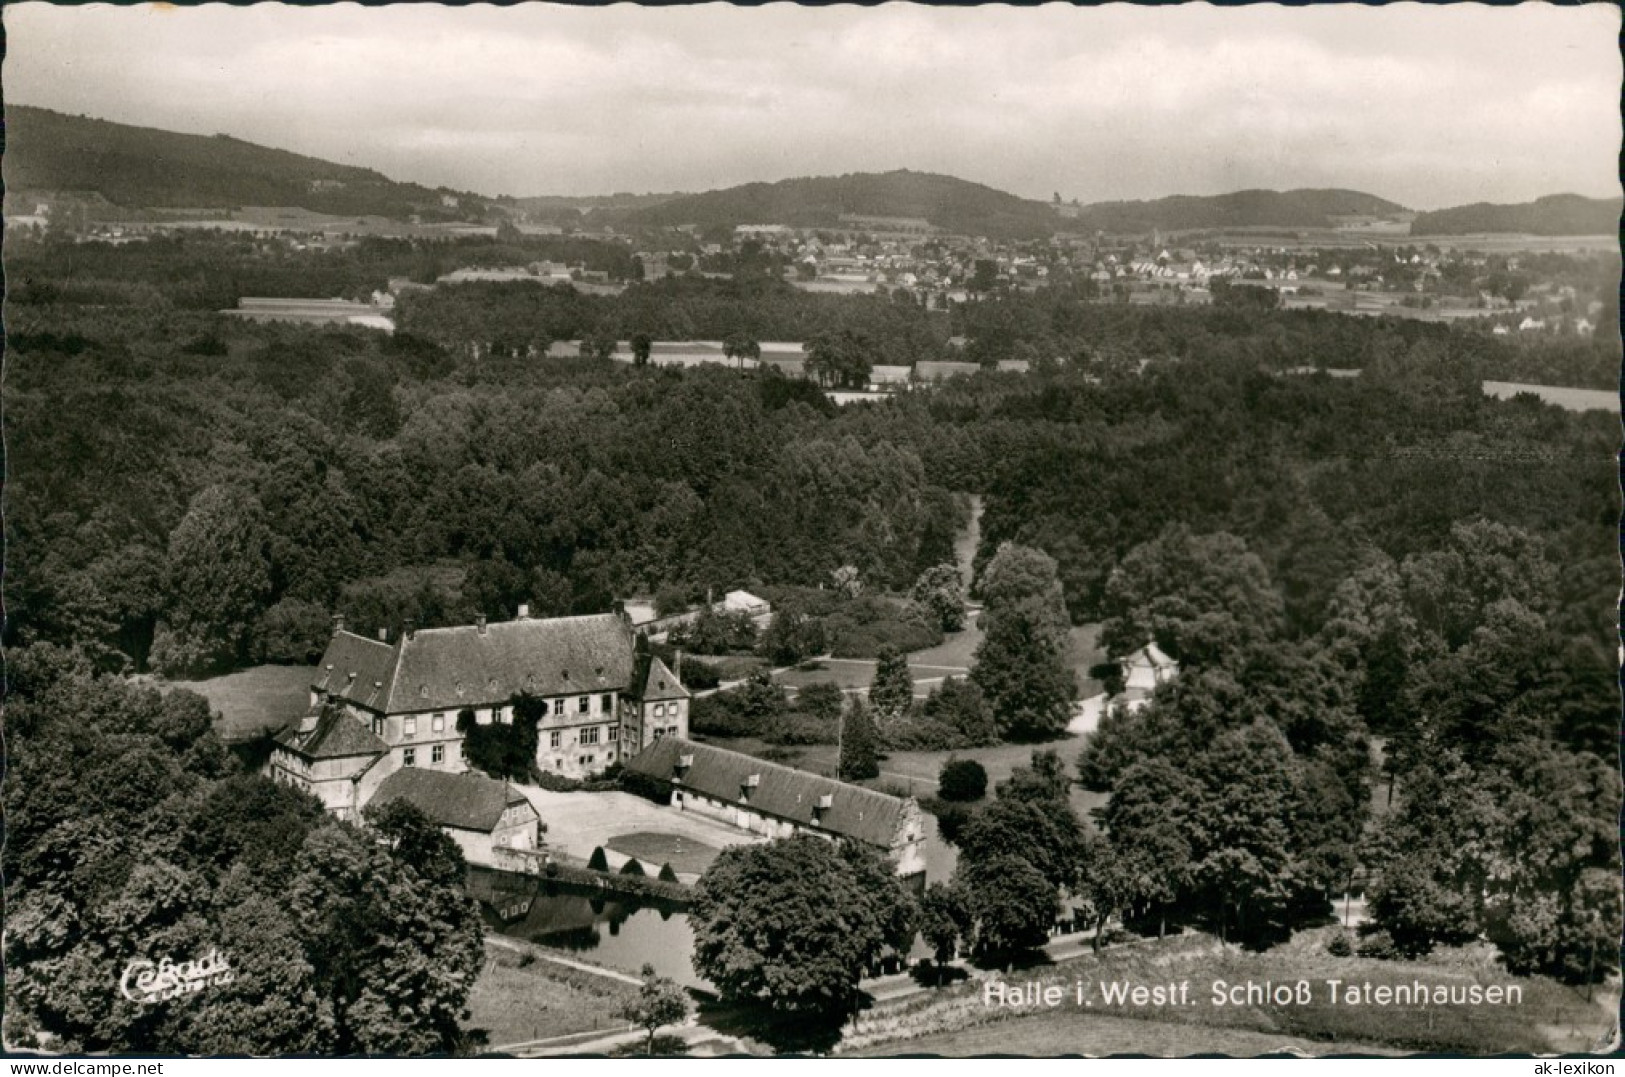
{"points": [[620, 932]]}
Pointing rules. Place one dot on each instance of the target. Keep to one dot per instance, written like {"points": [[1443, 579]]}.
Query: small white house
{"points": [[1143, 672]]}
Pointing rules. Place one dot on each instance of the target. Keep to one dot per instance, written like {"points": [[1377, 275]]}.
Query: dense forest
{"points": [[220, 487], [141, 167], [1554, 215]]}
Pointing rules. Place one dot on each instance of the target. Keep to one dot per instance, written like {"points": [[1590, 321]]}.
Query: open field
{"points": [[1101, 1035], [251, 701], [514, 1003], [1536, 1015], [1563, 396]]}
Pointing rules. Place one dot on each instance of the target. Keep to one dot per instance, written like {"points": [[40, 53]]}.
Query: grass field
{"points": [[1546, 1017], [253, 700], [1101, 1035], [514, 1003]]}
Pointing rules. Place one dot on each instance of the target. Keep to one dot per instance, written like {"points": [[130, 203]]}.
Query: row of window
{"points": [[588, 735], [437, 722], [437, 754], [662, 710]]}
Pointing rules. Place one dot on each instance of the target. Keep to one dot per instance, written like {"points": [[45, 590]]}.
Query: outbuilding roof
{"points": [[784, 792], [462, 801]]}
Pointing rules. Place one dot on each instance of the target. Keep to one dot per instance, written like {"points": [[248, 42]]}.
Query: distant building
{"points": [[480, 814], [780, 802], [933, 371], [889, 377]]}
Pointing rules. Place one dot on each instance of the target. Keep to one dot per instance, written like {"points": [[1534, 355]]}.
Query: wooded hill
{"points": [[953, 205], [1554, 215], [1240, 209], [142, 167]]}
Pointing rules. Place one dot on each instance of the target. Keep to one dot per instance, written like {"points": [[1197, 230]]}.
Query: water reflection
{"points": [[616, 931]]}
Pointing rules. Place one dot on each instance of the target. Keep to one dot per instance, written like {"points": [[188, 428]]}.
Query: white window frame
{"points": [[438, 723], [555, 739], [437, 754], [409, 726], [409, 757]]}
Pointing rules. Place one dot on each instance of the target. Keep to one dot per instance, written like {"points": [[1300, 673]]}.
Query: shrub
{"points": [[1380, 946], [632, 867], [914, 732], [598, 861], [699, 676], [962, 780], [644, 785], [715, 633], [747, 711], [666, 874], [1339, 946]]}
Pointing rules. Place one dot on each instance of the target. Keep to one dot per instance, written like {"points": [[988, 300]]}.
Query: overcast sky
{"points": [[1428, 106]]}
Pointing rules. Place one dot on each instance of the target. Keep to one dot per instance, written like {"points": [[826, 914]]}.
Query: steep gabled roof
{"points": [[463, 801], [660, 683], [854, 812], [356, 669], [471, 667], [336, 734]]}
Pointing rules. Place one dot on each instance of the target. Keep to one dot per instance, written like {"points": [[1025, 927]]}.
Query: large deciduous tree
{"points": [[795, 923], [1201, 597], [218, 576]]}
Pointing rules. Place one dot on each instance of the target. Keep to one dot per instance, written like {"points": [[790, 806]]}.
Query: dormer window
{"points": [[423, 691], [826, 802], [753, 781]]}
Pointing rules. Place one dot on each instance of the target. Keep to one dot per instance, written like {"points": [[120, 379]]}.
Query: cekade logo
{"points": [[147, 983]]}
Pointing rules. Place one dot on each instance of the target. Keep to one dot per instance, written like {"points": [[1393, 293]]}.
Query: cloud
{"points": [[1426, 105]]}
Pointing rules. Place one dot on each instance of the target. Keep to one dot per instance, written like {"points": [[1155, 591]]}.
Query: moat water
{"points": [[620, 932]]}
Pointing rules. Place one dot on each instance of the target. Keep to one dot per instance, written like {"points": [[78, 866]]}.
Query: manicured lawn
{"points": [[251, 701], [514, 1004], [685, 855]]}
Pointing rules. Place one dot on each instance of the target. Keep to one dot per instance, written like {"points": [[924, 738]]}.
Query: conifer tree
{"points": [[860, 753]]}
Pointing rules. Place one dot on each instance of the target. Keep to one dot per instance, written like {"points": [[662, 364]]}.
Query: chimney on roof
{"points": [[677, 670], [409, 629], [383, 635], [479, 624], [524, 611], [338, 622]]}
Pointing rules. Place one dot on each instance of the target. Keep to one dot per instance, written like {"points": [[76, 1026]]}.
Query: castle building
{"points": [[377, 707]]}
